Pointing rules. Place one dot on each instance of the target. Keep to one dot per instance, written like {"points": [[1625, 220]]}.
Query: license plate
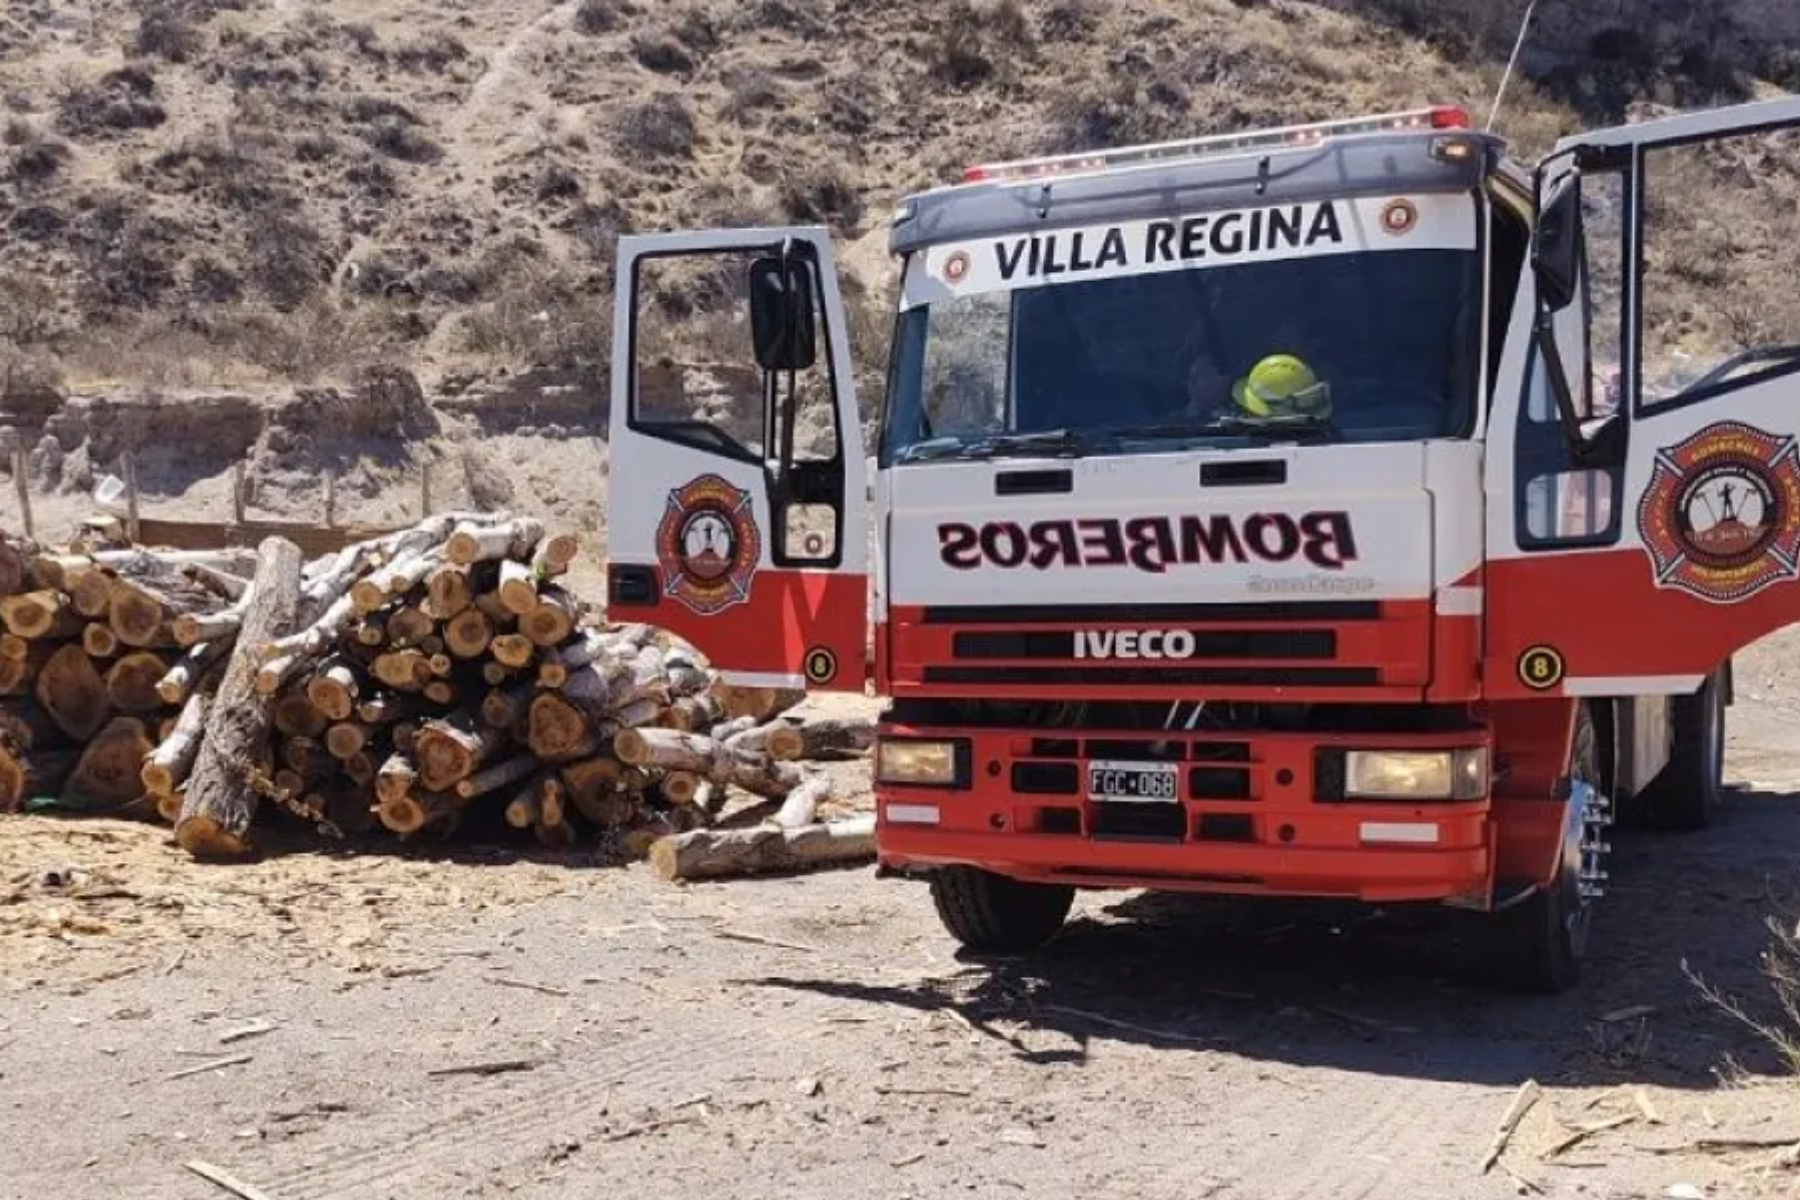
{"points": [[1135, 782]]}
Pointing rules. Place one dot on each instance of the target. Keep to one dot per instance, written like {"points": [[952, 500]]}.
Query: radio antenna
{"points": [[1511, 63]]}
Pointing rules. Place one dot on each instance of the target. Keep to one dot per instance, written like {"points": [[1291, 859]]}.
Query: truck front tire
{"points": [[994, 914], [1537, 943], [1687, 793]]}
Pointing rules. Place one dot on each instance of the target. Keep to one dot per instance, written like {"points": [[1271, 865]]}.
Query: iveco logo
{"points": [[1131, 643]]}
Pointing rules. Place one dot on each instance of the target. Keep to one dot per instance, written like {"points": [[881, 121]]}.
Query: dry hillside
{"points": [[253, 194]]}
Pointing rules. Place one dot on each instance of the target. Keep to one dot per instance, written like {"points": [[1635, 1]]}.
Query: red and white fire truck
{"points": [[1143, 623]]}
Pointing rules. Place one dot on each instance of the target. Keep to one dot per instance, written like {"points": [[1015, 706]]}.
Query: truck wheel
{"points": [[1688, 792], [1538, 942], [988, 912]]}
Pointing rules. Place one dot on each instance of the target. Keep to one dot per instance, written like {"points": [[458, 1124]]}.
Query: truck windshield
{"points": [[1387, 343]]}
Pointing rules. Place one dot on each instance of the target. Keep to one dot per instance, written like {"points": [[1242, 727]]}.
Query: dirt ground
{"points": [[319, 1025]]}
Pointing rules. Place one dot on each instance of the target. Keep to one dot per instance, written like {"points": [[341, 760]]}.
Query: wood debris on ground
{"points": [[433, 682]]}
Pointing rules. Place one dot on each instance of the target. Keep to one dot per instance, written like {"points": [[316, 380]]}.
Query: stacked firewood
{"points": [[415, 683]]}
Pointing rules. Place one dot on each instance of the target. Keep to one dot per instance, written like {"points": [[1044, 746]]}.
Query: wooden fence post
{"points": [[237, 493], [132, 528], [23, 482]]}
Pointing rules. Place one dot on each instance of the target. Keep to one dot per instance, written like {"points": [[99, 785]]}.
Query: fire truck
{"points": [[1417, 625]]}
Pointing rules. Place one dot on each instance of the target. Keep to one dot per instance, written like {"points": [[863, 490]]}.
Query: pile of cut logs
{"points": [[432, 680]]}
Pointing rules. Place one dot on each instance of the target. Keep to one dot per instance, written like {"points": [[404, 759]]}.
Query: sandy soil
{"points": [[819, 1036]]}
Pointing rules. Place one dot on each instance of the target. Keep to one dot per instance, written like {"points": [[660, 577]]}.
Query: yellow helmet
{"points": [[1281, 385]]}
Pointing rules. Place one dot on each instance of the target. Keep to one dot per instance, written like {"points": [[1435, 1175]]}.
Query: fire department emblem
{"points": [[956, 267], [1721, 517], [708, 545], [1399, 217]]}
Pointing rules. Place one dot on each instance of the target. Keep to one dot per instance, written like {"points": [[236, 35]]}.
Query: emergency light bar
{"points": [[1440, 117]]}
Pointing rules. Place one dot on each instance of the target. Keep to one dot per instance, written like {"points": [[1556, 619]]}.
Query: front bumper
{"points": [[1249, 819]]}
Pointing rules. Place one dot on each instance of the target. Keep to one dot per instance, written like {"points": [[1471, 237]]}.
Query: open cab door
{"points": [[1644, 491], [736, 517]]}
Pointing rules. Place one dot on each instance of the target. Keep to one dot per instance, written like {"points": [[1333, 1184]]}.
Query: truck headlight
{"points": [[1416, 774], [918, 761]]}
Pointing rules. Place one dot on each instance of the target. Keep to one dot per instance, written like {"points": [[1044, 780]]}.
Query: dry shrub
{"points": [[750, 92], [822, 192], [288, 261], [434, 52], [662, 54], [540, 316], [118, 101], [661, 127], [1069, 20], [980, 43], [38, 159], [166, 30], [602, 16]]}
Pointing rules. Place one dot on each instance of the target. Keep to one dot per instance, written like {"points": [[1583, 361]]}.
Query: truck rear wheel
{"points": [[1688, 792], [1538, 943], [989, 912]]}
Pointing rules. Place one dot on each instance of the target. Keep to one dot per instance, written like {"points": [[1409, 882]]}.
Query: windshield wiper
{"points": [[1305, 429], [1052, 442]]}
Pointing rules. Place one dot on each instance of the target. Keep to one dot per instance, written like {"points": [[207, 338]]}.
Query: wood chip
{"points": [[739, 935], [528, 985], [650, 1127], [235, 1060], [248, 1030], [1023, 1137], [1582, 1133], [1528, 1094], [502, 1066], [881, 1090], [1646, 1110], [222, 1178]]}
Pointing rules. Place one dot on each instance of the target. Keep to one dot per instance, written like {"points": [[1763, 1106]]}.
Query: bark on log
{"points": [[99, 640], [512, 651], [835, 740], [372, 630], [182, 678], [468, 634], [274, 673], [518, 590], [307, 756], [28, 774], [553, 827], [801, 807], [397, 777], [335, 688], [718, 853], [496, 612], [73, 693], [170, 763], [226, 586], [673, 750], [448, 591], [318, 638], [131, 683], [450, 750], [190, 629], [110, 771], [695, 714], [384, 708], [551, 620], [522, 809], [473, 543], [554, 554], [220, 801], [360, 768], [43, 614], [556, 731], [686, 679], [295, 716], [492, 779], [346, 740], [14, 568], [90, 591], [141, 610]]}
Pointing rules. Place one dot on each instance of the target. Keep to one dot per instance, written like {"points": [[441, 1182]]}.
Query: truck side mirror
{"points": [[1557, 249], [781, 313]]}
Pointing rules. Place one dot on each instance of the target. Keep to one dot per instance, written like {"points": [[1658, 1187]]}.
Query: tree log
{"points": [[593, 783], [680, 787], [25, 724], [409, 814], [90, 591], [492, 779], [221, 801], [182, 678], [404, 670], [409, 625], [295, 715], [384, 708], [556, 730], [371, 631], [73, 693], [99, 640], [473, 543], [170, 763], [42, 614], [518, 590], [764, 704], [552, 674], [506, 708], [448, 591], [802, 804], [131, 683], [351, 809], [451, 749], [346, 739], [274, 673], [18, 674], [15, 570], [360, 768], [397, 777], [334, 688], [717, 853], [468, 634], [141, 610], [440, 692], [695, 714], [554, 554], [318, 638], [30, 774], [522, 809], [553, 828], [226, 586], [307, 756], [673, 750], [512, 651], [190, 629], [14, 646], [110, 772], [551, 620], [686, 679], [778, 739]]}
